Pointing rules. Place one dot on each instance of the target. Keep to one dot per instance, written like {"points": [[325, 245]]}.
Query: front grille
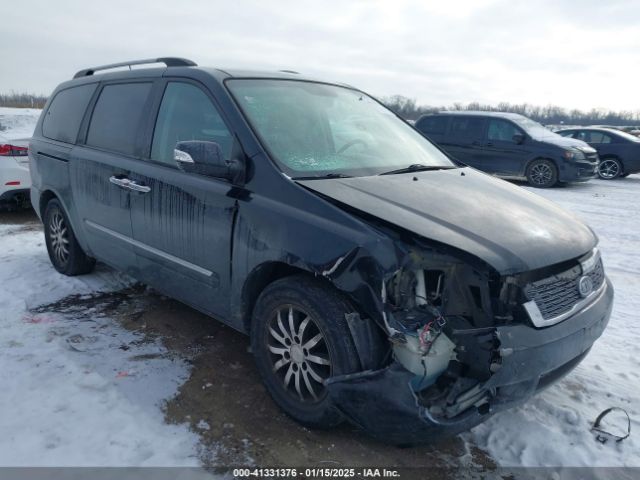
{"points": [[557, 295]]}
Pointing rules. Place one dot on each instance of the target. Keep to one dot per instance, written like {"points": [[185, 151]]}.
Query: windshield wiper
{"points": [[328, 175], [418, 167]]}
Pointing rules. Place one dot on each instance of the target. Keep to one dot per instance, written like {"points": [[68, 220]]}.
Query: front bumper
{"points": [[383, 403], [579, 171]]}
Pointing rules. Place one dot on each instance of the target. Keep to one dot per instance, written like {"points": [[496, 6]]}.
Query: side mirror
{"points": [[206, 158], [518, 138]]}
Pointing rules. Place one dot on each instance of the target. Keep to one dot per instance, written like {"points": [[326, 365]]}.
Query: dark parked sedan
{"points": [[619, 151]]}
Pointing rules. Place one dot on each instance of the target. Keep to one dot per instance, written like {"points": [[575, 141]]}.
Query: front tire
{"points": [[610, 168], [542, 173], [65, 253], [300, 338]]}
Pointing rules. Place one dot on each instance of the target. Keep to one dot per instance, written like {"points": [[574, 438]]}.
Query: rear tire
{"points": [[300, 338], [542, 173], [610, 168], [65, 253]]}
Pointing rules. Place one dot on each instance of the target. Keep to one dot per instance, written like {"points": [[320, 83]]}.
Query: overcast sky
{"points": [[572, 53]]}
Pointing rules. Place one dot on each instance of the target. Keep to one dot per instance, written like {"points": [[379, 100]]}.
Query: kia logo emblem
{"points": [[585, 286]]}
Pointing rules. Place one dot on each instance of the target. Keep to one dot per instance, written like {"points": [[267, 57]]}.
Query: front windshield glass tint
{"points": [[313, 129]]}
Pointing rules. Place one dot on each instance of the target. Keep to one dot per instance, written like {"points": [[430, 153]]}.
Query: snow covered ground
{"points": [[72, 395], [553, 428], [17, 123]]}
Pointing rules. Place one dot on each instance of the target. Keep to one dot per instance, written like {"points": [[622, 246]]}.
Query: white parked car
{"points": [[15, 180]]}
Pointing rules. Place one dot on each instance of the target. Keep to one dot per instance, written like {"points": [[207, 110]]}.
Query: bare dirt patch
{"points": [[225, 403]]}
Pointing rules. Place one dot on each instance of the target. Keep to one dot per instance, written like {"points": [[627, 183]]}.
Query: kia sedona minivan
{"points": [[510, 146], [379, 281]]}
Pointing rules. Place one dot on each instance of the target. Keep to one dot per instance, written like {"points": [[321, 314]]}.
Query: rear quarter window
{"points": [[599, 137], [116, 117], [64, 115]]}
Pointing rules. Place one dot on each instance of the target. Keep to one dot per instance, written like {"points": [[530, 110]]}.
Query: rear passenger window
{"points": [[186, 113], [467, 128], [432, 124], [116, 117], [599, 137], [64, 115]]}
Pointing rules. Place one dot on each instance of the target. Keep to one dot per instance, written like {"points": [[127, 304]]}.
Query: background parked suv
{"points": [[619, 151], [510, 145]]}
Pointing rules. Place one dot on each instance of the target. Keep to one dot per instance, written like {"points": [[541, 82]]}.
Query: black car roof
{"points": [[219, 74], [477, 113], [595, 129]]}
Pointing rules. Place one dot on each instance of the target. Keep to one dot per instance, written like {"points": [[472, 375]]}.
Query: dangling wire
{"points": [[430, 332]]}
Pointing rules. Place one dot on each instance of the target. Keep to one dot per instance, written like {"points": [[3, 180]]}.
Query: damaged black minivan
{"points": [[379, 281]]}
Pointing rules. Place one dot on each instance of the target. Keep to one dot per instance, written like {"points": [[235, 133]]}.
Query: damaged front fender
{"points": [[435, 328]]}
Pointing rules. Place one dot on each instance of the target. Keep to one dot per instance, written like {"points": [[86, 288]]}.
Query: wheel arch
{"points": [[367, 337], [44, 199], [50, 194], [257, 280], [268, 272]]}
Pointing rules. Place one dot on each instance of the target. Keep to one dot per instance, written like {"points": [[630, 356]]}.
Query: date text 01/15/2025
{"points": [[315, 473]]}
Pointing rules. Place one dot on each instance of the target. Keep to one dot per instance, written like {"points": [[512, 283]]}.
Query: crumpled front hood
{"points": [[508, 227]]}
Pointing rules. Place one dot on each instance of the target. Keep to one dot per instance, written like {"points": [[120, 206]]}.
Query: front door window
{"points": [[187, 113]]}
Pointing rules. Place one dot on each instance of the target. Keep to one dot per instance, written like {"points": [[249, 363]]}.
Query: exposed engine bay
{"points": [[440, 311], [444, 317]]}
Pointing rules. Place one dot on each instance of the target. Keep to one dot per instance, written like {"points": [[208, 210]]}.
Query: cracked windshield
{"points": [[318, 130]]}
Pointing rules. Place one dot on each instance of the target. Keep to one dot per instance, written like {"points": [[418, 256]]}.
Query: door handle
{"points": [[124, 182], [489, 144], [136, 187]]}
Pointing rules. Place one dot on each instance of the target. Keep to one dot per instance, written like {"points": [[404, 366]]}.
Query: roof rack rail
{"points": [[168, 61]]}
